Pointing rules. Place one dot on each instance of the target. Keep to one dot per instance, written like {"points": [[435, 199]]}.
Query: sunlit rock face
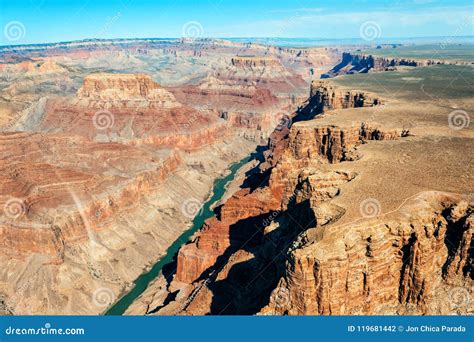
{"points": [[102, 144], [110, 87], [335, 222]]}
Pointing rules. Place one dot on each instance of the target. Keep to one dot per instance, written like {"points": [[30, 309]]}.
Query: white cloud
{"points": [[297, 10], [394, 23]]}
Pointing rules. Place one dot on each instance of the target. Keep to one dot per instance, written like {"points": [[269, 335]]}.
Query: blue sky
{"points": [[42, 21]]}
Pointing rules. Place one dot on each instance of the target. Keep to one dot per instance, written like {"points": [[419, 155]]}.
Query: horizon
{"points": [[26, 22], [256, 40]]}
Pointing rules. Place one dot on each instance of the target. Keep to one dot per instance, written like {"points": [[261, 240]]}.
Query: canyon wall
{"points": [[98, 186], [417, 261], [288, 242], [110, 147], [351, 63]]}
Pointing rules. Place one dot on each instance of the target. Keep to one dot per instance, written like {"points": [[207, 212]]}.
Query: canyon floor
{"points": [[357, 199]]}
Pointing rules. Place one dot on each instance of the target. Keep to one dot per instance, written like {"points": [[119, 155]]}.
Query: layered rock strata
{"points": [[99, 158], [415, 261], [98, 193], [358, 63], [277, 247]]}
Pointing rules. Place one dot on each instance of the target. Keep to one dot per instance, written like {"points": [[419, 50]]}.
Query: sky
{"points": [[45, 21]]}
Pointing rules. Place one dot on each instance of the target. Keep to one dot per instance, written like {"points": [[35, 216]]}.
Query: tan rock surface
{"points": [[366, 220], [99, 153]]}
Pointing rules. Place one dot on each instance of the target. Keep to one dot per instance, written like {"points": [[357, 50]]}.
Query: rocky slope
{"points": [[294, 240], [133, 109], [351, 63], [125, 87], [75, 190], [108, 149], [415, 261]]}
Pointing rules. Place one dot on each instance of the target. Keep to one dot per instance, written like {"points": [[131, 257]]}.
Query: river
{"points": [[142, 282]]}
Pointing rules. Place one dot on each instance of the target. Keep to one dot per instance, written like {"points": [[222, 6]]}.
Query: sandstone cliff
{"points": [[111, 87], [415, 261], [254, 62], [289, 243], [359, 63], [98, 157]]}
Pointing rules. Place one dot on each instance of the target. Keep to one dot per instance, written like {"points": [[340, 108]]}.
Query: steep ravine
{"points": [[141, 283], [275, 246]]}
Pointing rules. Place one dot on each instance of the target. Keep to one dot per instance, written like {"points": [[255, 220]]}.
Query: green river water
{"points": [[142, 282]]}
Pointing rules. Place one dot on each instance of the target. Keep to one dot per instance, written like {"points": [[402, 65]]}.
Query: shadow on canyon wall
{"points": [[249, 284]]}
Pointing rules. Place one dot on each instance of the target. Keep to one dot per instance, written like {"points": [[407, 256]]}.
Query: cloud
{"points": [[396, 22], [297, 10]]}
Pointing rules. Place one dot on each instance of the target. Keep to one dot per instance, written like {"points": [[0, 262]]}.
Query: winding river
{"points": [[142, 282]]}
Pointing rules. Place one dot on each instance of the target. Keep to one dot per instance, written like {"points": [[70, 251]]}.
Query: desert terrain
{"points": [[362, 206], [355, 195], [110, 148]]}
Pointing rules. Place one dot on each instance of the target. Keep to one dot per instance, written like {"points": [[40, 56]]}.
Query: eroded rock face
{"points": [[277, 247], [248, 207], [359, 63], [56, 204], [329, 97], [334, 143], [73, 196], [254, 62], [112, 87], [98, 157], [126, 108], [218, 234], [86, 225], [413, 262], [250, 98]]}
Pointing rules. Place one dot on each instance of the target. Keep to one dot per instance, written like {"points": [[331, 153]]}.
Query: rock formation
{"points": [[289, 243], [359, 63], [410, 262], [347, 211], [98, 159], [255, 62], [110, 87], [330, 97]]}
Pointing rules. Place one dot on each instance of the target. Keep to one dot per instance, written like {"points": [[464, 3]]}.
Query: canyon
{"points": [[356, 62], [356, 198], [109, 149], [347, 214]]}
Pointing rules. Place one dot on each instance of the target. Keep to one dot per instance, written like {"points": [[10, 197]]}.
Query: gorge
{"points": [[103, 167], [127, 186], [289, 242]]}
